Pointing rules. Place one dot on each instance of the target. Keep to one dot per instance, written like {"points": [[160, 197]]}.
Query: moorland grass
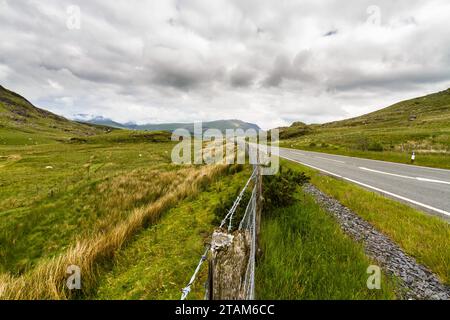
{"points": [[305, 255], [47, 279], [88, 188], [423, 236], [161, 259]]}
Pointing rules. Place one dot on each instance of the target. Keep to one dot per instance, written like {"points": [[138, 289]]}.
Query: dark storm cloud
{"points": [[156, 61]]}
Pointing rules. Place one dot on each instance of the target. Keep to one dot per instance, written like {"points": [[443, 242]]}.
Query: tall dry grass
{"points": [[48, 279]]}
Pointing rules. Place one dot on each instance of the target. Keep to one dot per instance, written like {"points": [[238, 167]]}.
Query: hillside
{"points": [[21, 122], [426, 111], [421, 124], [222, 125]]}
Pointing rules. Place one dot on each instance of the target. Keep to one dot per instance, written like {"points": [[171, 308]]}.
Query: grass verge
{"points": [[307, 256], [425, 237]]}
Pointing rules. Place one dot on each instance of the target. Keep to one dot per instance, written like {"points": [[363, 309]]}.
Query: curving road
{"points": [[422, 187]]}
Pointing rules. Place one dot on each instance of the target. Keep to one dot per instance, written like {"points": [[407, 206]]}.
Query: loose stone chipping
{"points": [[416, 280]]}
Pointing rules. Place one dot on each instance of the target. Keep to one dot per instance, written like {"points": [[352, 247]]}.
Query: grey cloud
{"points": [[241, 77], [184, 60], [331, 33]]}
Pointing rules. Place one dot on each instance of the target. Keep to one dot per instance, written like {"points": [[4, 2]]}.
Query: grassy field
{"points": [[80, 202], [91, 196], [425, 237], [306, 256], [391, 134], [53, 194], [161, 259]]}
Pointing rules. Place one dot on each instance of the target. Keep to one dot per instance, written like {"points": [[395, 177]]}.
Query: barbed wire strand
{"points": [[186, 290], [250, 268], [238, 200]]}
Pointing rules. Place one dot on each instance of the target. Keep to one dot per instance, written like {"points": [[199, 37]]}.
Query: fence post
{"points": [[229, 259], [259, 200], [232, 255]]}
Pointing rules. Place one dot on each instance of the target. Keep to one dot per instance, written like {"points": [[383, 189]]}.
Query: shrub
{"points": [[312, 144], [279, 190], [225, 204], [375, 146]]}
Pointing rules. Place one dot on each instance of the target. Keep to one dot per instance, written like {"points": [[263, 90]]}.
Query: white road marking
{"points": [[399, 197], [296, 152], [376, 189], [432, 180], [308, 165], [330, 159], [389, 162], [406, 177]]}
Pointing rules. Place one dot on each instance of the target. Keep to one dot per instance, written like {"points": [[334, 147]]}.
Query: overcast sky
{"points": [[267, 62]]}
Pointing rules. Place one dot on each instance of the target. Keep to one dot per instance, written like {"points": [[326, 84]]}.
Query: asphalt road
{"points": [[425, 188]]}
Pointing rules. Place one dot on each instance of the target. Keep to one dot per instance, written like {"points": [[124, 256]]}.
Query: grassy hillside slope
{"points": [[23, 123], [421, 125]]}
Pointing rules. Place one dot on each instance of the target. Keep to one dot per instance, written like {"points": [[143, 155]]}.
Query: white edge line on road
{"points": [[376, 189], [406, 177], [399, 197]]}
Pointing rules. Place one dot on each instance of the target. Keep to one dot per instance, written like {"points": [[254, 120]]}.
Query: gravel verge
{"points": [[417, 281]]}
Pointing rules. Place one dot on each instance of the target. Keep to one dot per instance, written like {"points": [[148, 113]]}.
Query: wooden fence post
{"points": [[229, 258]]}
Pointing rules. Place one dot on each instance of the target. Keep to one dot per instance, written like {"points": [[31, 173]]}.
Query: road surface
{"points": [[422, 187]]}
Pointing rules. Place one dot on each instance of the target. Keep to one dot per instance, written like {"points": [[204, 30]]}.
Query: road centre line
{"points": [[330, 159]]}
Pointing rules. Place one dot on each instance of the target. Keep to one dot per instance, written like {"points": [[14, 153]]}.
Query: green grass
{"points": [[306, 256], [387, 134], [425, 237], [161, 259], [44, 210]]}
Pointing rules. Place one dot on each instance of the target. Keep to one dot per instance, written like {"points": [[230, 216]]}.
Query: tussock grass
{"points": [[89, 189], [161, 259], [425, 237], [307, 256], [47, 280]]}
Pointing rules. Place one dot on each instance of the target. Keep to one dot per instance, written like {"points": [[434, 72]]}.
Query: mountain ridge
{"points": [[221, 125]]}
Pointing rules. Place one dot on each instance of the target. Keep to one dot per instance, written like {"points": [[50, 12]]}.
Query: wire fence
{"points": [[247, 224]]}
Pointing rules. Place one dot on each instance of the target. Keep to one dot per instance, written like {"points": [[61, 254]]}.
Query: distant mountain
{"points": [[221, 125], [99, 120], [21, 120]]}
